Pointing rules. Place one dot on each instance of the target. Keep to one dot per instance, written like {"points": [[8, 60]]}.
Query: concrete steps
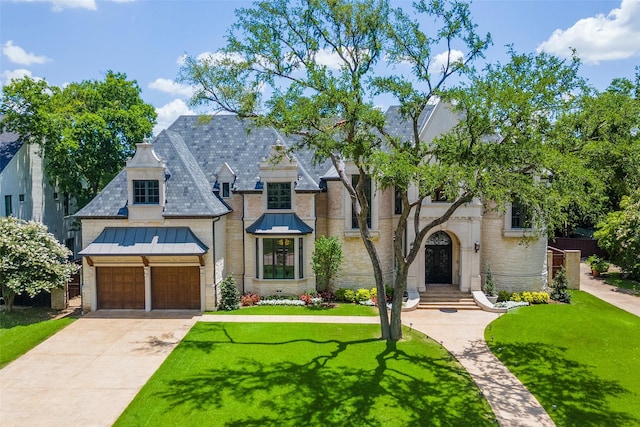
{"points": [[446, 297]]}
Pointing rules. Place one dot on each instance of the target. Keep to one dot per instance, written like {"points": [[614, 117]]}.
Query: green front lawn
{"points": [[308, 310], [295, 374], [581, 361], [23, 329]]}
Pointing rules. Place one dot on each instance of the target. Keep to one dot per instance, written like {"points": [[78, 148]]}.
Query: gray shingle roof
{"points": [[196, 147], [398, 126]]}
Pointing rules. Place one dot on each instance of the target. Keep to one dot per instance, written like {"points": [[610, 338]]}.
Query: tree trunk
{"points": [[395, 328], [9, 297]]}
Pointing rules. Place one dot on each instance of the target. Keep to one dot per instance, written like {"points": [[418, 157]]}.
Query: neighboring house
{"points": [[27, 193], [217, 196]]}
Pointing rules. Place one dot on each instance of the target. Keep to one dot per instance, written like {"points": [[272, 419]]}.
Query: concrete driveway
{"points": [[88, 373]]}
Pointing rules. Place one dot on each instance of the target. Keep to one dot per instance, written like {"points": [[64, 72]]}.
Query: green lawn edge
{"points": [[580, 360], [24, 329]]}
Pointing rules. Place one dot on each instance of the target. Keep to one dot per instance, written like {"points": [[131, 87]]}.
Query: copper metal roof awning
{"points": [[279, 223], [145, 241]]}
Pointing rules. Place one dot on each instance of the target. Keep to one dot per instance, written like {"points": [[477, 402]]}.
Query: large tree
{"points": [[86, 130], [605, 129], [322, 63], [31, 260]]}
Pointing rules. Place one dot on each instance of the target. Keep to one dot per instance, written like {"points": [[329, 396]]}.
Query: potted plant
{"points": [[490, 287], [598, 265]]}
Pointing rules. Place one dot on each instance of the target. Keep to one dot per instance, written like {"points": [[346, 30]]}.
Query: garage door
{"points": [[175, 288], [120, 287]]}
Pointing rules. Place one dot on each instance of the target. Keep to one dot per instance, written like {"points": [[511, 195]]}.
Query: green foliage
{"points": [[603, 130], [598, 264], [489, 285], [516, 297], [504, 296], [31, 260], [560, 291], [619, 235], [326, 261], [362, 295], [229, 294], [535, 297], [86, 130]]}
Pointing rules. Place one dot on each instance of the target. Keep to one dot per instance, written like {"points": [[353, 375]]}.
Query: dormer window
{"points": [[146, 192], [278, 195], [226, 190]]}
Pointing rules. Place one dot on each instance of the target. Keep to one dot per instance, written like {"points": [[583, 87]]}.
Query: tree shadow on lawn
{"points": [[330, 387], [570, 391]]}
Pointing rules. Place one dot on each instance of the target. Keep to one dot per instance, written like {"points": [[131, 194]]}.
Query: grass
{"points": [[581, 361], [337, 310], [615, 279], [23, 329], [274, 374]]}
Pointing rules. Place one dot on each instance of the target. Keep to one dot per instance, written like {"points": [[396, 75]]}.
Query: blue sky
{"points": [[65, 41]]}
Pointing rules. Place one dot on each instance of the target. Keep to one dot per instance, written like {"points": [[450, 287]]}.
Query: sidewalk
{"points": [[596, 287]]}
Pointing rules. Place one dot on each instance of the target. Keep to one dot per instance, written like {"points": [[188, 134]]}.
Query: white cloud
{"points": [[440, 60], [600, 38], [168, 113], [18, 55], [8, 75], [329, 58], [171, 87]]}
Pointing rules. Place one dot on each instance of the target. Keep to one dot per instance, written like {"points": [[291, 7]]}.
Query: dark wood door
{"points": [[175, 288], [438, 259], [120, 287]]}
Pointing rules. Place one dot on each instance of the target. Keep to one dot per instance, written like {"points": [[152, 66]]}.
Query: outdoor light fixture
{"points": [[476, 246]]}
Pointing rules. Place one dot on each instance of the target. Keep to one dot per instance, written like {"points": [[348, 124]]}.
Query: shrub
{"points": [[389, 291], [327, 260], [328, 297], [373, 292], [489, 285], [349, 295], [560, 291], [540, 297], [362, 295], [598, 264], [504, 296], [515, 297], [230, 296], [249, 299], [306, 298]]}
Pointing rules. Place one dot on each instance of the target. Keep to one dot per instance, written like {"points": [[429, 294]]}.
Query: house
{"points": [[27, 193], [216, 196]]}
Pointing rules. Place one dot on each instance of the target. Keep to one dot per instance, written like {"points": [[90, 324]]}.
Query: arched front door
{"points": [[438, 260]]}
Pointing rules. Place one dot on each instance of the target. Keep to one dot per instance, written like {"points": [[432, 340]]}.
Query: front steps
{"points": [[446, 297]]}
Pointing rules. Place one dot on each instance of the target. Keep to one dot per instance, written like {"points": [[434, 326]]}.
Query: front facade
{"points": [[217, 197]]}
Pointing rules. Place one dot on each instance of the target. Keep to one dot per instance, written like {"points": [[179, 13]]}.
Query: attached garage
{"points": [[175, 288], [170, 259], [120, 287]]}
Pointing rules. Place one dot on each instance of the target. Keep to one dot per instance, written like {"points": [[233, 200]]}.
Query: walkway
{"points": [[596, 287], [86, 374]]}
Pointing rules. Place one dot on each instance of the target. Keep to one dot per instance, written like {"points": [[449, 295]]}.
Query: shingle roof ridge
{"points": [[193, 169]]}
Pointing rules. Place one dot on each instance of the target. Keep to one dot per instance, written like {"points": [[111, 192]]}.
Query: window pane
{"points": [[279, 195], [225, 189], [278, 258], [146, 192], [520, 216], [8, 209]]}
